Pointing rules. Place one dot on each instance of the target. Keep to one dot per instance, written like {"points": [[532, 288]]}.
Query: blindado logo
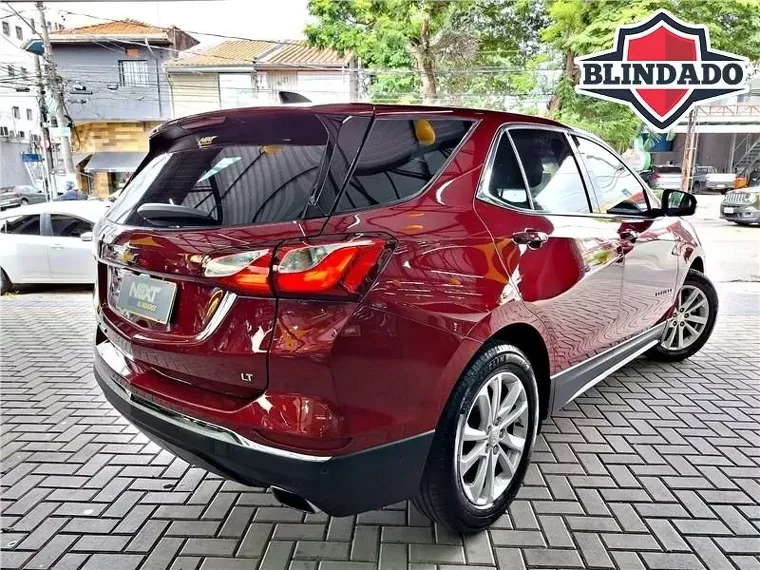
{"points": [[661, 69]]}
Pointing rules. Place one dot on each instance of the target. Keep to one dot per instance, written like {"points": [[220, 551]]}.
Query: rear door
{"points": [[564, 260], [23, 250], [70, 257], [216, 193]]}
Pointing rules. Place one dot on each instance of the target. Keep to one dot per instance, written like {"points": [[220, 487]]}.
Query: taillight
{"points": [[331, 269]]}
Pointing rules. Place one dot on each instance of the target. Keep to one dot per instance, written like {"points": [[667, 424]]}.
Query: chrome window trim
{"points": [[116, 361], [482, 194]]}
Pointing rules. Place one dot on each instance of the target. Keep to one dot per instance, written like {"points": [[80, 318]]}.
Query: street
{"points": [[656, 467]]}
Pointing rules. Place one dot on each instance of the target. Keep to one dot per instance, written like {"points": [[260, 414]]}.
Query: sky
{"points": [[255, 19]]}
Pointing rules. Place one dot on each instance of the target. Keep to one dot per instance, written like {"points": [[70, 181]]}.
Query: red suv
{"points": [[355, 305]]}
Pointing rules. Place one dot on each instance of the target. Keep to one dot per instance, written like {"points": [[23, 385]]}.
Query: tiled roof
{"points": [[263, 53], [112, 29]]}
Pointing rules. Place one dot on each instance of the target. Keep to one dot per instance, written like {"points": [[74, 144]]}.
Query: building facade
{"points": [[19, 111], [115, 92], [244, 73]]}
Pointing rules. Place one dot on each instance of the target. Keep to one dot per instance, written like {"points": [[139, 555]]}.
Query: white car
{"points": [[48, 243]]}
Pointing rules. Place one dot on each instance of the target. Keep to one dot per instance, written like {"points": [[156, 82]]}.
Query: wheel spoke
{"points": [[514, 441], [484, 406], [514, 392], [506, 466], [476, 487], [491, 477], [670, 336], [679, 334], [696, 305], [514, 415], [469, 460], [697, 319], [472, 434], [692, 330], [686, 304], [495, 397]]}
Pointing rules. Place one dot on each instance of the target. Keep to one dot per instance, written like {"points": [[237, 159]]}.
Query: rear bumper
{"points": [[339, 486]]}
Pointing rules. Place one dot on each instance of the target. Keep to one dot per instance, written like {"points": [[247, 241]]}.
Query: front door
{"points": [[565, 261], [648, 245], [71, 257], [23, 251]]}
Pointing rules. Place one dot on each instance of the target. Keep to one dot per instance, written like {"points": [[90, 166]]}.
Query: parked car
{"points": [[665, 177], [742, 206], [9, 198], [48, 243], [699, 181], [354, 305], [26, 194]]}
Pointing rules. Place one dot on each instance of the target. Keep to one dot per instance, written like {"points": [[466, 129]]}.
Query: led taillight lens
{"points": [[247, 270], [337, 269], [334, 269]]}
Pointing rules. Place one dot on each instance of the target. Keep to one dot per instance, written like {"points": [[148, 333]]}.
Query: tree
{"points": [[579, 27], [430, 47]]}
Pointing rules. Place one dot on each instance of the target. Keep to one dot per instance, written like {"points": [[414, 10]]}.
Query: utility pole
{"points": [[688, 164], [50, 186], [53, 85]]}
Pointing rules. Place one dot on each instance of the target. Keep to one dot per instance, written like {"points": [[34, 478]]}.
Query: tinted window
{"points": [[399, 158], [552, 175], [69, 226], [260, 172], [506, 182], [617, 189], [23, 225]]}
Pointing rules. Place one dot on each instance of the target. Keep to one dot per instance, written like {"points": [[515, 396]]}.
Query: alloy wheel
{"points": [[491, 437], [688, 321]]}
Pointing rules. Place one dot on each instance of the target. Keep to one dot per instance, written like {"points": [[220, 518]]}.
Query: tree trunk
{"points": [[570, 75], [426, 63]]}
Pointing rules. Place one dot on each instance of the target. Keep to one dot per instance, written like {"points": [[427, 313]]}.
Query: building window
{"points": [[16, 113], [3, 131], [29, 115], [21, 135], [11, 71], [19, 33], [133, 72], [6, 28]]}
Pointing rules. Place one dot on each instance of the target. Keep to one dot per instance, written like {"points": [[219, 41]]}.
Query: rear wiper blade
{"points": [[172, 215]]}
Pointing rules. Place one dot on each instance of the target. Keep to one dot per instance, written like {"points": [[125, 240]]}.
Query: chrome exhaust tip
{"points": [[293, 501]]}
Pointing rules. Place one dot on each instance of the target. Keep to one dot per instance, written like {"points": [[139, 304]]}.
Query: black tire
{"points": [[5, 283], [440, 496], [24, 202], [698, 280]]}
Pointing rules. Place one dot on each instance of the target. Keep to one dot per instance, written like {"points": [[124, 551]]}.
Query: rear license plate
{"points": [[147, 297], [728, 210]]}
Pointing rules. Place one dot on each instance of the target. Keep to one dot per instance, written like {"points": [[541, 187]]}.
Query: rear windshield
{"points": [[263, 178], [668, 169]]}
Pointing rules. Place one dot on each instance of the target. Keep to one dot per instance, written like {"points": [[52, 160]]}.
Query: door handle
{"points": [[532, 238], [57, 246], [629, 235]]}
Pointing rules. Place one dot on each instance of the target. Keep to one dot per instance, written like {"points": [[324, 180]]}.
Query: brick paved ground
{"points": [[658, 467]]}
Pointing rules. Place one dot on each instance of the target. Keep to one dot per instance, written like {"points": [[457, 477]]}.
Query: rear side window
{"points": [[399, 158], [506, 183], [552, 175], [22, 225], [249, 177]]}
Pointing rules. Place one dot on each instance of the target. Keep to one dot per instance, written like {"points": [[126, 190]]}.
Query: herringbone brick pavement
{"points": [[658, 467]]}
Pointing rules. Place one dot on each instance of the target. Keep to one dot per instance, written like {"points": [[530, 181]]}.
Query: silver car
{"points": [[665, 177], [21, 195]]}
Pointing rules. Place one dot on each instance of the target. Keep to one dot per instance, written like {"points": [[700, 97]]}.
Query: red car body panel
{"points": [[334, 377]]}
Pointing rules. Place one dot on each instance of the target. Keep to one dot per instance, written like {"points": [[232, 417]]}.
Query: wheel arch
{"points": [[698, 263]]}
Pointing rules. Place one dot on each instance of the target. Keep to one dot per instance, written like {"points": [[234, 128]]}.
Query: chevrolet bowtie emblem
{"points": [[124, 254]]}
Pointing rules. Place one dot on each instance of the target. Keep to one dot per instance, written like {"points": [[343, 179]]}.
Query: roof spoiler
{"points": [[287, 97]]}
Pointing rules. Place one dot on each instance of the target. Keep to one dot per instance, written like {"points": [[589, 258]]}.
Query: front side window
{"points": [[21, 225], [133, 72], [399, 158], [617, 189], [551, 173], [69, 226]]}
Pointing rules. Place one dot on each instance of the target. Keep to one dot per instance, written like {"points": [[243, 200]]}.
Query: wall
{"points": [[12, 170], [193, 93], [112, 136], [97, 66], [713, 149]]}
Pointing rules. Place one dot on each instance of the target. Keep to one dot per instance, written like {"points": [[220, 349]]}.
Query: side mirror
{"points": [[86, 236], [676, 203]]}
